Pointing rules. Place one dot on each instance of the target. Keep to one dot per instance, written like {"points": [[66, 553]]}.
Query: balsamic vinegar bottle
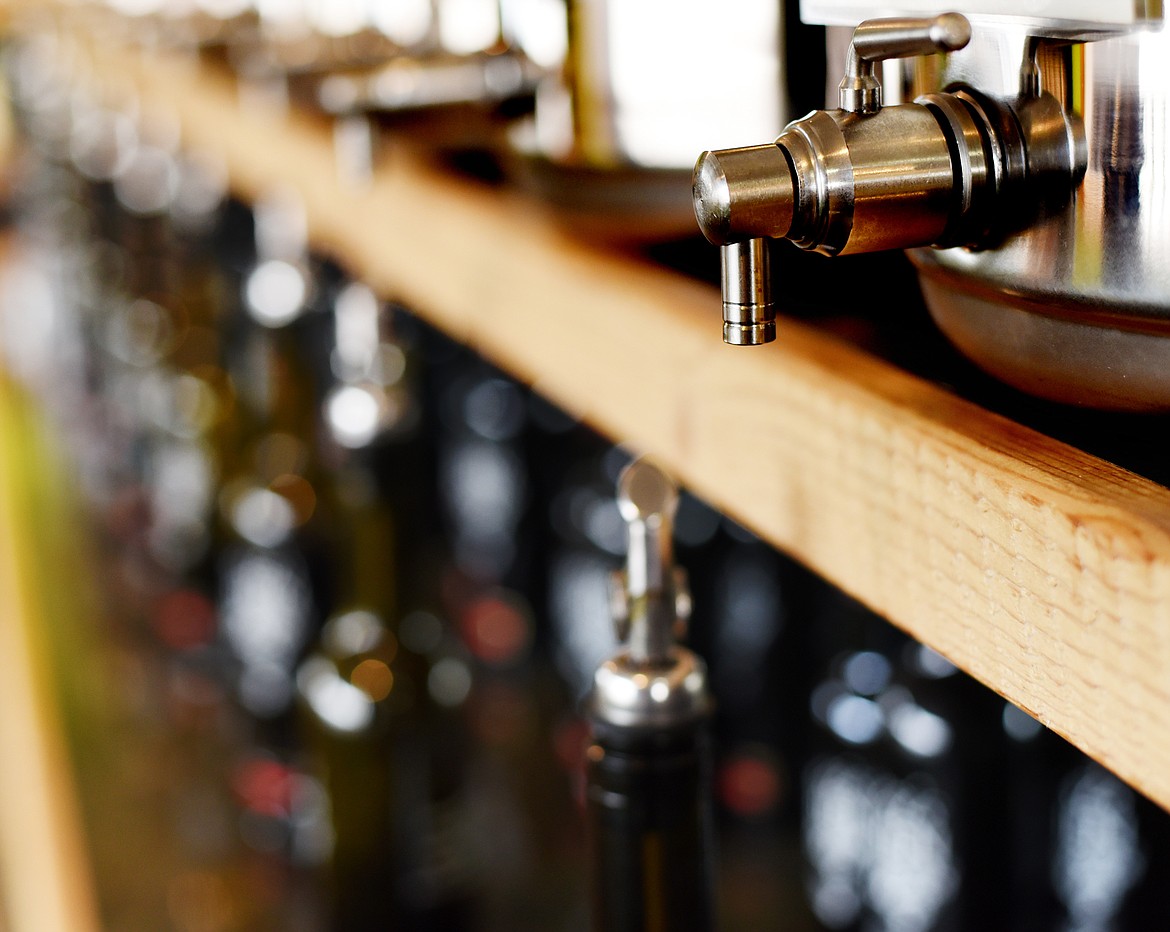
{"points": [[353, 696], [490, 581], [648, 782], [276, 524], [393, 772], [745, 626]]}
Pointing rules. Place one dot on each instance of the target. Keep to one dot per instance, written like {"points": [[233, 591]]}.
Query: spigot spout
{"points": [[749, 314], [742, 197]]}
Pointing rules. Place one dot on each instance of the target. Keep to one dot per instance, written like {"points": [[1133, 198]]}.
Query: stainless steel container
{"points": [[1076, 306]]}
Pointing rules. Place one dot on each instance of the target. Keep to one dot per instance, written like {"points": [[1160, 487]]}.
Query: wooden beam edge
{"points": [[45, 880]]}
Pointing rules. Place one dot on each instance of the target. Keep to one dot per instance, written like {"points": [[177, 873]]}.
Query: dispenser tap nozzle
{"points": [[749, 314], [741, 197]]}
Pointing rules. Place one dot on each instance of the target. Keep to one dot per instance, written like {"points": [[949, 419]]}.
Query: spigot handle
{"points": [[876, 40]]}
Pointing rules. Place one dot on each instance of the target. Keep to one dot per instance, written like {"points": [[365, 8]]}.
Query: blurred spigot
{"points": [[955, 168], [648, 767], [409, 83]]}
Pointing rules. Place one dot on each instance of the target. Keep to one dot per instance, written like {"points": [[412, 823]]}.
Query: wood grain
{"points": [[1041, 570]]}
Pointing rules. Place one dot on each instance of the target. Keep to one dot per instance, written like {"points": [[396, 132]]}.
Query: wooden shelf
{"points": [[45, 881], [1039, 569]]}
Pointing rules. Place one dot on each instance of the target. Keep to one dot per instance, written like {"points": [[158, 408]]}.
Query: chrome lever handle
{"points": [[876, 40]]}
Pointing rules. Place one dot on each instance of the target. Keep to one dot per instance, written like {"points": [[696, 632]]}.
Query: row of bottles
{"points": [[357, 586], [269, 449], [929, 803]]}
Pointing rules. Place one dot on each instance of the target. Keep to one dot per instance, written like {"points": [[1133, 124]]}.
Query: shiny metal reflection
{"points": [[1077, 307]]}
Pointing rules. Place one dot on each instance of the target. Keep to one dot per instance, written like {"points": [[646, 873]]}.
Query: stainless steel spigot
{"points": [[955, 168], [406, 83]]}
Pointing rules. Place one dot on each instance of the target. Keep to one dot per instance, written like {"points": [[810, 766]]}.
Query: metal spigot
{"points": [[406, 83], [653, 680], [955, 168]]}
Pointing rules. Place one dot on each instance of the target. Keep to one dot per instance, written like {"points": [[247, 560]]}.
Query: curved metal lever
{"points": [[879, 39]]}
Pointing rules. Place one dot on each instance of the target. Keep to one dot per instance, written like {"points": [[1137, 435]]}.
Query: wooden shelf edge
{"points": [[45, 879], [1037, 568]]}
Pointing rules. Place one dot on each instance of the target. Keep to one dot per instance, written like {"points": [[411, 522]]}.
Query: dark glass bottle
{"points": [[394, 775], [745, 626], [494, 481]]}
